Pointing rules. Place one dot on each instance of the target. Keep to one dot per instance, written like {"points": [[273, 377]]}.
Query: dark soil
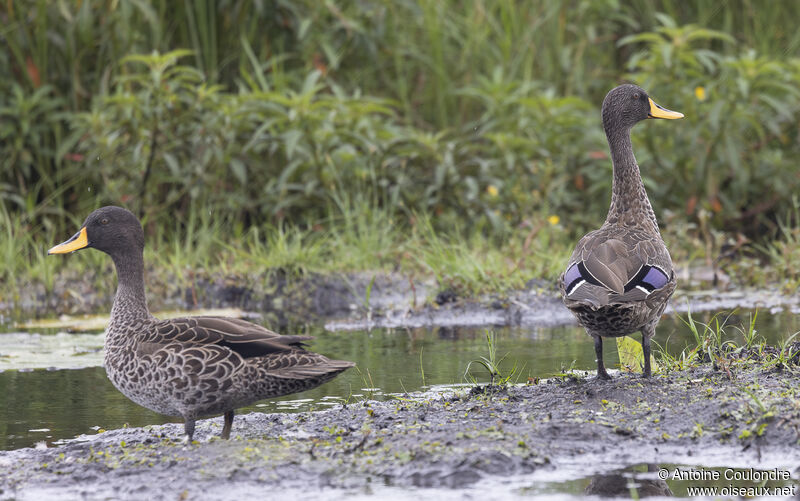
{"points": [[744, 416]]}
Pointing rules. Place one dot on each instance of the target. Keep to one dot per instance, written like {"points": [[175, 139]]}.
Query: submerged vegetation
{"points": [[458, 140]]}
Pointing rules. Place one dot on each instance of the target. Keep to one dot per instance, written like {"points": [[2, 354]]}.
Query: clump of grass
{"points": [[788, 351], [688, 357], [455, 262], [491, 364], [715, 342], [708, 337], [469, 263], [567, 371]]}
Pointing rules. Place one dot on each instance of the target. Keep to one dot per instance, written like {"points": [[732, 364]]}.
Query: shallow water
{"points": [[654, 480], [51, 405], [632, 482]]}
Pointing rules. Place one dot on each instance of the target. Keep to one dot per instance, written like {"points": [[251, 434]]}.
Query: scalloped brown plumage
{"points": [[189, 367]]}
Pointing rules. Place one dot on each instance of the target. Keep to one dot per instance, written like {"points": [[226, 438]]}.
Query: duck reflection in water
{"points": [[630, 483]]}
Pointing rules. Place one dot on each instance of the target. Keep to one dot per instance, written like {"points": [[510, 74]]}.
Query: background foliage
{"points": [[478, 115]]}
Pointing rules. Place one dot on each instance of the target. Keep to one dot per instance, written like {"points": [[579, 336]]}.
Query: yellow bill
{"points": [[657, 111], [77, 242]]}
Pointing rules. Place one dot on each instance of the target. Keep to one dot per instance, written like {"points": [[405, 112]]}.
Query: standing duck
{"points": [[620, 276], [189, 367]]}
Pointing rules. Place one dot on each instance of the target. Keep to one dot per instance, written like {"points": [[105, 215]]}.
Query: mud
{"points": [[441, 442], [342, 302], [281, 298]]}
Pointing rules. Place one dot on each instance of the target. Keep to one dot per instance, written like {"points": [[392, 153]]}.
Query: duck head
{"points": [[628, 104], [113, 230]]}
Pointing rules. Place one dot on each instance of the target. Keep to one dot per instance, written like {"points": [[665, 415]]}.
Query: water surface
{"points": [[52, 405]]}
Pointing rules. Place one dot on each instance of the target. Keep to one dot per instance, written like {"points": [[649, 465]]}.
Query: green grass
{"points": [[784, 252], [492, 365], [358, 241], [727, 345], [22, 257]]}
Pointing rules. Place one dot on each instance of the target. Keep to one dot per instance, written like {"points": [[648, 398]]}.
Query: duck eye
{"points": [[636, 96], [104, 220]]}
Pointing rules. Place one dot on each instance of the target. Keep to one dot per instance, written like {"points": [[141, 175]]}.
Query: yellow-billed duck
{"points": [[189, 367], [620, 276]]}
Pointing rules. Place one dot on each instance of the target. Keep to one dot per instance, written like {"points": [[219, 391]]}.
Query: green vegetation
{"points": [[437, 137], [725, 345], [492, 365], [631, 355], [177, 256]]}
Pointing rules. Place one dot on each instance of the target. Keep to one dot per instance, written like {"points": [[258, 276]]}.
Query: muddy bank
{"points": [[573, 426], [343, 303], [279, 297]]}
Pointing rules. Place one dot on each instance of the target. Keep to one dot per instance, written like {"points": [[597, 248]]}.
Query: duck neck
{"points": [[629, 202], [130, 301]]}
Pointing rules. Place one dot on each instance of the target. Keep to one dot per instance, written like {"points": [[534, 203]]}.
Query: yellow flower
{"points": [[700, 93], [553, 219], [492, 190]]}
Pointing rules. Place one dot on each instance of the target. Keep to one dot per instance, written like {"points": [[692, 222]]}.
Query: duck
{"points": [[192, 367], [620, 276]]}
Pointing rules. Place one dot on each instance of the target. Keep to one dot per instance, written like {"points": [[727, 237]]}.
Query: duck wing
{"points": [[618, 268], [245, 338]]}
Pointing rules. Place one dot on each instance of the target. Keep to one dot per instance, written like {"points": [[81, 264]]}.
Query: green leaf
{"points": [[631, 356], [239, 170], [290, 138]]}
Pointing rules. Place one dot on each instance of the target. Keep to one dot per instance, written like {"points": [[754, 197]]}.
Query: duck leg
{"points": [[188, 427], [647, 334], [598, 350], [226, 428]]}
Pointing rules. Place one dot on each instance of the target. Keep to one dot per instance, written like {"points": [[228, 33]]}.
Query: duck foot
{"points": [[226, 428], [188, 427], [647, 334], [601, 368]]}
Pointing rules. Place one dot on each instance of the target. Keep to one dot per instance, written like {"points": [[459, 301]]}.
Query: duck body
{"points": [[186, 368], [190, 367], [620, 277], [644, 296]]}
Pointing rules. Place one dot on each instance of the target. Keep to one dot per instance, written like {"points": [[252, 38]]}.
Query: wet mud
{"points": [[475, 438]]}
